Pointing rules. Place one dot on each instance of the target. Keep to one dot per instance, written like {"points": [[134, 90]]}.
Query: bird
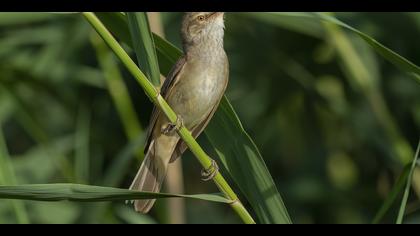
{"points": [[193, 89]]}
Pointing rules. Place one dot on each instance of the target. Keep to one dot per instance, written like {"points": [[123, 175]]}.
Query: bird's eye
{"points": [[201, 18]]}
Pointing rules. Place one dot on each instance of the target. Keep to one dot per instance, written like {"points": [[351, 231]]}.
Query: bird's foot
{"points": [[211, 172], [170, 128]]}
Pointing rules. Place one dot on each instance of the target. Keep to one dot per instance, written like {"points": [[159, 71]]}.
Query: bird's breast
{"points": [[198, 90]]}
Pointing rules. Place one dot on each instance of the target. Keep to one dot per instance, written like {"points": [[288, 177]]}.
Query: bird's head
{"points": [[202, 27]]}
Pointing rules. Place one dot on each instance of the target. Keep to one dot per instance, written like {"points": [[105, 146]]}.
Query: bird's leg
{"points": [[170, 128], [211, 172]]}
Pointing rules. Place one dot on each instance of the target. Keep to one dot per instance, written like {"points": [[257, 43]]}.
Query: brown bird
{"points": [[193, 89]]}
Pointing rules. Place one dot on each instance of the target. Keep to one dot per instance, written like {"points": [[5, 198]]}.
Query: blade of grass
{"points": [[7, 176], [89, 193], [144, 45], [157, 99], [249, 183], [392, 197], [407, 187], [241, 157]]}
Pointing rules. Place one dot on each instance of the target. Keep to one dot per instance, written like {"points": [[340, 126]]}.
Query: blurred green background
{"points": [[334, 121]]}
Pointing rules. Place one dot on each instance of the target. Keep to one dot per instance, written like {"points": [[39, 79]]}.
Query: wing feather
{"points": [[170, 81]]}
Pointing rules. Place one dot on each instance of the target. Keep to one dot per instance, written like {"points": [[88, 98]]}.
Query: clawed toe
{"points": [[171, 127], [211, 172]]}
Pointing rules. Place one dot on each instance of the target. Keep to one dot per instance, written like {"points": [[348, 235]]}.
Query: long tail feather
{"points": [[153, 171]]}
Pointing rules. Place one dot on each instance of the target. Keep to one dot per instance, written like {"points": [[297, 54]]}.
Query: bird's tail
{"points": [[149, 178]]}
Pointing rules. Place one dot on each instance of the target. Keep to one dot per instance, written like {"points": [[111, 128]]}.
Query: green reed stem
{"points": [[158, 100]]}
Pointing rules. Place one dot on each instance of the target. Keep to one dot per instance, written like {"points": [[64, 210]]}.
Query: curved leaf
{"points": [[245, 164]]}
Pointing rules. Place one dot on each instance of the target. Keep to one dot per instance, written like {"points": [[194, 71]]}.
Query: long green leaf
{"points": [[385, 52], [144, 45], [407, 187], [396, 190], [88, 193], [242, 160], [246, 165]]}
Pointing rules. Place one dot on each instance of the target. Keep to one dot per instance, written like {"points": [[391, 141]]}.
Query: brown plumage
{"points": [[193, 89]]}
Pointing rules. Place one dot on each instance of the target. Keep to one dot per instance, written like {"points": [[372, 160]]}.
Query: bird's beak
{"points": [[216, 14]]}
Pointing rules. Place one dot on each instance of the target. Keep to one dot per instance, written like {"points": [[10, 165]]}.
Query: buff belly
{"points": [[201, 91]]}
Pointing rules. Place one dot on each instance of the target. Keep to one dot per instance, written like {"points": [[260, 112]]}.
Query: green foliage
{"points": [[334, 120], [86, 193], [144, 45]]}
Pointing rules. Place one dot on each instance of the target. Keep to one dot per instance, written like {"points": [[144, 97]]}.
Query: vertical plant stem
{"points": [[158, 100]]}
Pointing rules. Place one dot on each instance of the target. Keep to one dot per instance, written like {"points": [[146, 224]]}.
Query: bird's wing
{"points": [[197, 130], [170, 81], [181, 146]]}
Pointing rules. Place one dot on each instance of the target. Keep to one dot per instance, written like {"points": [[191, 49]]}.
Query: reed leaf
{"points": [[144, 45], [88, 193]]}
